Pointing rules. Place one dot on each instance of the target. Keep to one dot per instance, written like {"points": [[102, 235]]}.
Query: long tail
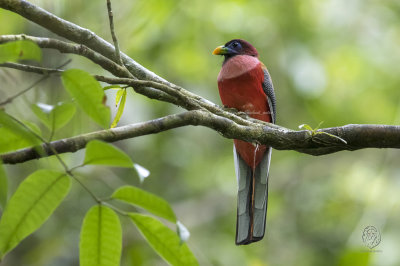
{"points": [[252, 199]]}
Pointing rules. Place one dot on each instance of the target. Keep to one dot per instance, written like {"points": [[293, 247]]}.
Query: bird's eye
{"points": [[235, 44]]}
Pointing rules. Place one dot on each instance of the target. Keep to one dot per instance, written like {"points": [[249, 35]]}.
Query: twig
{"points": [[45, 71], [140, 87], [33, 69], [114, 37], [72, 48]]}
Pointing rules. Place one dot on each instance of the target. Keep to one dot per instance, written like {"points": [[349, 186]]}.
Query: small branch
{"points": [[33, 69], [71, 48], [357, 136], [45, 71], [114, 37], [139, 87]]}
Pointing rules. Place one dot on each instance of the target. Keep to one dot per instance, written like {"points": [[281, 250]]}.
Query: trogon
{"points": [[245, 84]]}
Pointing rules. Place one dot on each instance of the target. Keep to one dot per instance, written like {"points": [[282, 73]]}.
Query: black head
{"points": [[236, 47]]}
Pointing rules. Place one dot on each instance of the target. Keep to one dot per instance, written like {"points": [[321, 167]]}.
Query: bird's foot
{"points": [[231, 110], [236, 112]]}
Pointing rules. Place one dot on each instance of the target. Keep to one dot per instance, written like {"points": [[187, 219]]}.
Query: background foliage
{"points": [[334, 61]]}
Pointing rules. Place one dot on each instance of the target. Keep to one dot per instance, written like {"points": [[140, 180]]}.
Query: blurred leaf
{"points": [[142, 172], [355, 258], [54, 116], [121, 94], [88, 94], [62, 114], [163, 240], [42, 111], [14, 135], [31, 205], [182, 231], [98, 152], [19, 50], [101, 238], [145, 200], [3, 186]]}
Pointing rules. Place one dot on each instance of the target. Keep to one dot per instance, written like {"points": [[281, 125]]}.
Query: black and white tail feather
{"points": [[253, 185]]}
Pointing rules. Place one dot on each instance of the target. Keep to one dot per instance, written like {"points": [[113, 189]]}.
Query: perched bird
{"points": [[245, 84]]}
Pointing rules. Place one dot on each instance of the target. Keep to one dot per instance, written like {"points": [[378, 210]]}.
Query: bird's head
{"points": [[236, 47]]}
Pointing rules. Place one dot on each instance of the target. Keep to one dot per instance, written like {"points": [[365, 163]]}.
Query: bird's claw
{"points": [[236, 112], [231, 110]]}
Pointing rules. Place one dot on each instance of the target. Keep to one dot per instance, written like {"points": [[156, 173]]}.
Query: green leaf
{"points": [[19, 50], [355, 257], [88, 94], [163, 240], [54, 117], [12, 140], [145, 200], [306, 127], [14, 135], [31, 205], [42, 111], [101, 238], [3, 186], [120, 108], [98, 152], [114, 87], [119, 95], [320, 123], [62, 114]]}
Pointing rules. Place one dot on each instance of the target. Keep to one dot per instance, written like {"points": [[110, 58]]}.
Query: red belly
{"points": [[246, 94]]}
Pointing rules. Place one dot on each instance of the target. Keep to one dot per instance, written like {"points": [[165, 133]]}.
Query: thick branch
{"points": [[357, 136]]}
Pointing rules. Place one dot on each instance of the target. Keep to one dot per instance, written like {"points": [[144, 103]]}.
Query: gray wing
{"points": [[268, 88]]}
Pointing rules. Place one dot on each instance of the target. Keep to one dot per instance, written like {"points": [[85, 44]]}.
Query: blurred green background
{"points": [[335, 61]]}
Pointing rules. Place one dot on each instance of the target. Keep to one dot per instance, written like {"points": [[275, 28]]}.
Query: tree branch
{"points": [[71, 48], [76, 34], [27, 68], [33, 69], [138, 86], [357, 136]]}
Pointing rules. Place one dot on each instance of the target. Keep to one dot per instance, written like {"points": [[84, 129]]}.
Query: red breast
{"points": [[240, 86]]}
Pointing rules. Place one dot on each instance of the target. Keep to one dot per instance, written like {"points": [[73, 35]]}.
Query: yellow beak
{"points": [[220, 50]]}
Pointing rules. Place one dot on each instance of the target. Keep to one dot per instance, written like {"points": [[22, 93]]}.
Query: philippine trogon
{"points": [[245, 84]]}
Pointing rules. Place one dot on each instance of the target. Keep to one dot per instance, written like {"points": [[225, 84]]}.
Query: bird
{"points": [[245, 84]]}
